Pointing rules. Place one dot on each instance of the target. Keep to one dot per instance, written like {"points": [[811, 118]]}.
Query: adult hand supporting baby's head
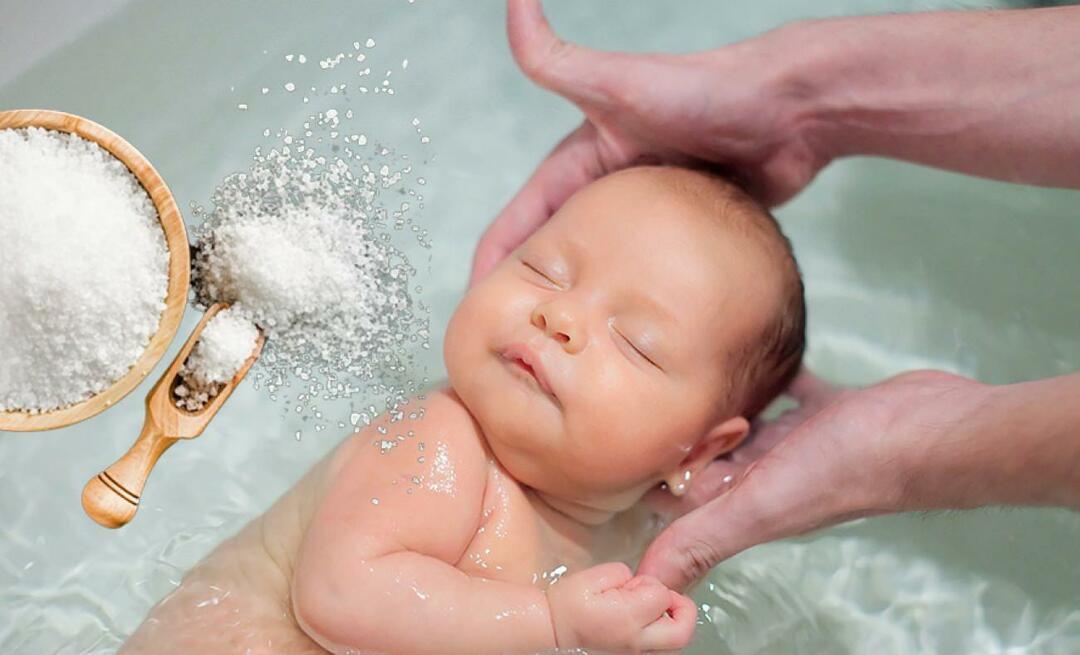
{"points": [[726, 108], [910, 442]]}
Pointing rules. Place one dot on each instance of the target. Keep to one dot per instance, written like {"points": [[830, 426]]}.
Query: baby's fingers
{"points": [[646, 599], [674, 629]]}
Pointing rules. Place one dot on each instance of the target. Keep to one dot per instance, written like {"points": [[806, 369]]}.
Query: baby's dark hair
{"points": [[768, 361]]}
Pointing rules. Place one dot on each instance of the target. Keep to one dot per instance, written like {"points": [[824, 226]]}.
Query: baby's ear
{"points": [[721, 439]]}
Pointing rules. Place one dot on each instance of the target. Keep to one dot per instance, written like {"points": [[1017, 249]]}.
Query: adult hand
{"points": [[652, 108], [812, 395], [921, 440], [773, 110]]}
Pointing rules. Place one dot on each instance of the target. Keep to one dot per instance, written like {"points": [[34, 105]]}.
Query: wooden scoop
{"points": [[112, 496]]}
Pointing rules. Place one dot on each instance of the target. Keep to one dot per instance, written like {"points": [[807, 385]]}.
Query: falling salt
{"points": [[84, 269], [300, 243]]}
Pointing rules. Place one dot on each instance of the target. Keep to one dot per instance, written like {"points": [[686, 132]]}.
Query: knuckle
{"points": [[700, 556], [544, 56], [620, 571]]}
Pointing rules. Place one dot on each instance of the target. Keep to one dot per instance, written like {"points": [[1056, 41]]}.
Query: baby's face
{"points": [[595, 356]]}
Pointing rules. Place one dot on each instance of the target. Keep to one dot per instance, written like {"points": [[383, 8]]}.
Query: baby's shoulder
{"points": [[430, 430], [424, 463]]}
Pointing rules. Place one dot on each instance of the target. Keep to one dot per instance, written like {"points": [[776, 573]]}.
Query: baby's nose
{"points": [[560, 325]]}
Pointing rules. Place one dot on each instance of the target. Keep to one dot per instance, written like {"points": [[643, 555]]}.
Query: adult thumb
{"points": [[771, 501], [582, 75]]}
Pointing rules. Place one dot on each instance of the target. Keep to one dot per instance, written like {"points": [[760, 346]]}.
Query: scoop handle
{"points": [[112, 497]]}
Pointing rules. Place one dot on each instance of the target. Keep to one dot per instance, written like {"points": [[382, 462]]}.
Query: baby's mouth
{"points": [[524, 366], [522, 360]]}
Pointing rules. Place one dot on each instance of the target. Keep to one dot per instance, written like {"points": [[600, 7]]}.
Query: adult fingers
{"points": [[808, 386], [777, 497], [571, 165], [717, 478], [583, 75]]}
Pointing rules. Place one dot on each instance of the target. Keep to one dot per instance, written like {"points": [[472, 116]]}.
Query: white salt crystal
{"points": [[298, 243], [225, 344], [84, 273]]}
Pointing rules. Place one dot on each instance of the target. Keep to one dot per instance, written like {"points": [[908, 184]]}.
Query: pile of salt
{"points": [[83, 269], [300, 243], [225, 344]]}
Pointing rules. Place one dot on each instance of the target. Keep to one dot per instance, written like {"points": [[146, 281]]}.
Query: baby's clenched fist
{"points": [[609, 609]]}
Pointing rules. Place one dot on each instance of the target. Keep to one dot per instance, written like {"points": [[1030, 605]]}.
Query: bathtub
{"points": [[905, 267]]}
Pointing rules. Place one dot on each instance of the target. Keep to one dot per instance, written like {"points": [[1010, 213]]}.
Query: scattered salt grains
{"points": [[301, 244], [84, 274], [225, 344]]}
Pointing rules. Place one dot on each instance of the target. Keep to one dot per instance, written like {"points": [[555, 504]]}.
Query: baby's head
{"points": [[631, 338]]}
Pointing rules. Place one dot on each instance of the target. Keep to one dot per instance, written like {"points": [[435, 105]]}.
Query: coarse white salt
{"points": [[225, 344], [300, 243], [84, 269]]}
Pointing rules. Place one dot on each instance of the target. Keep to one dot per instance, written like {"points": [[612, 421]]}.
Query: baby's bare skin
{"points": [[586, 370], [238, 600]]}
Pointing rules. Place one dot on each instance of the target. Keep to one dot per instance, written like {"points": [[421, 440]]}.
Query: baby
{"points": [[623, 347]]}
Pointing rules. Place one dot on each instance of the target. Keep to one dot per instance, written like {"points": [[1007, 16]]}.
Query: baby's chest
{"points": [[512, 544]]}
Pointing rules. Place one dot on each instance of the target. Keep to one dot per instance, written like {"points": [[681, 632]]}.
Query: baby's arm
{"points": [[379, 576]]}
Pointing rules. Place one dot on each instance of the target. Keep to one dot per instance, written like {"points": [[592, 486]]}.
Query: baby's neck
{"points": [[588, 517], [602, 535]]}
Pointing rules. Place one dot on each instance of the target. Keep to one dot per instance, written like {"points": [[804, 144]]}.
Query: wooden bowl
{"points": [[172, 223]]}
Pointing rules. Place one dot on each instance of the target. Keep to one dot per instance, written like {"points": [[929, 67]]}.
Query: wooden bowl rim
{"points": [[176, 241]]}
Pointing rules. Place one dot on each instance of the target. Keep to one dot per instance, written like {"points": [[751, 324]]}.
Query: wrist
{"points": [[801, 62], [562, 633]]}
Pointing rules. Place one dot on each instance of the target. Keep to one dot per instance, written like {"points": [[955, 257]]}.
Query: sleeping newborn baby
{"points": [[623, 347]]}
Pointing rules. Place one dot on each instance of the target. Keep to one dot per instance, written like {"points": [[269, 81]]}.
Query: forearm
{"points": [[1037, 433], [1015, 444], [988, 93], [407, 602]]}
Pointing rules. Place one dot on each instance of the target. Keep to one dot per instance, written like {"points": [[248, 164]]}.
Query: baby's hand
{"points": [[607, 608]]}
